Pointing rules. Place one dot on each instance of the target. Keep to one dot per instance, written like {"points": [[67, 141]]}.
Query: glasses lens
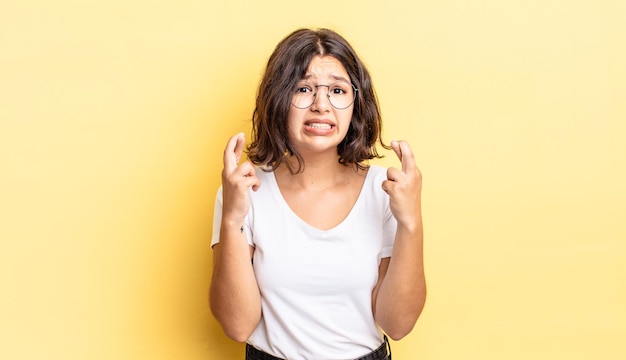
{"points": [[304, 96], [340, 95]]}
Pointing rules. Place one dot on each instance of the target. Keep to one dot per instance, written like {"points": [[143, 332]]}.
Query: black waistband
{"points": [[381, 353]]}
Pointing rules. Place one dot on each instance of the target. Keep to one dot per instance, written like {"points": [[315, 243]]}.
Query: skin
{"points": [[399, 295]]}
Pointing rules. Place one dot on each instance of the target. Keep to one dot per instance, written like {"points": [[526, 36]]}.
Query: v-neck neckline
{"points": [[278, 193]]}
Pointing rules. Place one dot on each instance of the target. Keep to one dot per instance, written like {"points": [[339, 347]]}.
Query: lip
{"points": [[319, 126], [319, 121]]}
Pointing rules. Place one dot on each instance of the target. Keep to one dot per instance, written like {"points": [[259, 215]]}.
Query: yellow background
{"points": [[114, 114]]}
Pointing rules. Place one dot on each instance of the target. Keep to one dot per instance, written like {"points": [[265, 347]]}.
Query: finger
{"points": [[231, 159], [252, 182], [408, 160], [386, 185], [239, 146], [248, 172], [257, 184], [393, 174], [396, 148], [245, 169]]}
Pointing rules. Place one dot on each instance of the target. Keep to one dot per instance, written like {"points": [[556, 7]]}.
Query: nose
{"points": [[321, 102]]}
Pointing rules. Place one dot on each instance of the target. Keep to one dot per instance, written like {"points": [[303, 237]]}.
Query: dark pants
{"points": [[382, 353]]}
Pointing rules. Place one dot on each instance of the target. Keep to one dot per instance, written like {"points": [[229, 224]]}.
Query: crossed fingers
{"points": [[244, 173], [404, 186], [408, 170]]}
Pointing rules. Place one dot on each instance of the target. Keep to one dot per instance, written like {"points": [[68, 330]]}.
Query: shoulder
{"points": [[376, 173], [268, 184], [377, 169], [263, 173], [374, 179]]}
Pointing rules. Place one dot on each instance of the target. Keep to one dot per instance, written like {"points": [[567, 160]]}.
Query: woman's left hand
{"points": [[404, 187]]}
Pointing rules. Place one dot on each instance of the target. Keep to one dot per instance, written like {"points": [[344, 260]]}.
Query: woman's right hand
{"points": [[234, 296], [236, 180]]}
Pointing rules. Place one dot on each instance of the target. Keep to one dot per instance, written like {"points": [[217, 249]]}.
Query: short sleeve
{"points": [[390, 225]]}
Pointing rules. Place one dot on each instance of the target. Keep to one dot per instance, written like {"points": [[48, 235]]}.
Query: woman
{"points": [[316, 253]]}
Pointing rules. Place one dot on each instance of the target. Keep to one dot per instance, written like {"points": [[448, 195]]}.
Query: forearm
{"points": [[402, 293], [234, 295]]}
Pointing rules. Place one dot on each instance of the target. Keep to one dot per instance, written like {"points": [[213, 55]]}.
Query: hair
{"points": [[285, 68]]}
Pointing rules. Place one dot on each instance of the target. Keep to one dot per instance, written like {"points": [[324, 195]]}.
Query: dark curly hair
{"points": [[285, 68]]}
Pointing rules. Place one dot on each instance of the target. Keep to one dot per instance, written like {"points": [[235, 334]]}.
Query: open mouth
{"points": [[320, 126]]}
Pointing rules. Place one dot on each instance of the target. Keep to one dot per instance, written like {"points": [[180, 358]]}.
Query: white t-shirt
{"points": [[316, 285]]}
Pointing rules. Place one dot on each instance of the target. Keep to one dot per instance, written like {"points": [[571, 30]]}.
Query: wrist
{"points": [[412, 226], [232, 223]]}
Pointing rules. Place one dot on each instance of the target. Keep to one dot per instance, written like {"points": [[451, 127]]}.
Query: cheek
{"points": [[346, 121], [291, 116], [292, 120]]}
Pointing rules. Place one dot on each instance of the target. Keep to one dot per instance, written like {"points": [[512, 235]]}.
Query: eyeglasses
{"points": [[340, 95]]}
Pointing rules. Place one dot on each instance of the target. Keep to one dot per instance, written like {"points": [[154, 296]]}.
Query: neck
{"points": [[318, 172]]}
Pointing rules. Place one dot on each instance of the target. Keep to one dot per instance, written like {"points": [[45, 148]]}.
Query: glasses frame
{"points": [[328, 95]]}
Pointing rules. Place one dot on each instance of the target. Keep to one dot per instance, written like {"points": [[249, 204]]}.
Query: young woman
{"points": [[317, 254]]}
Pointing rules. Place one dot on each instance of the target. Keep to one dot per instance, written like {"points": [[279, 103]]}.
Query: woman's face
{"points": [[320, 127]]}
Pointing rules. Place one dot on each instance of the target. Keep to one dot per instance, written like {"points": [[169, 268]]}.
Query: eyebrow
{"points": [[334, 77]]}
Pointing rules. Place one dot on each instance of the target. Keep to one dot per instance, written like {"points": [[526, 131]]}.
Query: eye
{"points": [[304, 89], [338, 91]]}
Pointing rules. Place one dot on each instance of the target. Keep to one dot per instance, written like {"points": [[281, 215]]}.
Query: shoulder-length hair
{"points": [[285, 68]]}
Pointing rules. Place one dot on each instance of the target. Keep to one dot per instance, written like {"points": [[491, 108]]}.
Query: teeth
{"points": [[320, 126]]}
